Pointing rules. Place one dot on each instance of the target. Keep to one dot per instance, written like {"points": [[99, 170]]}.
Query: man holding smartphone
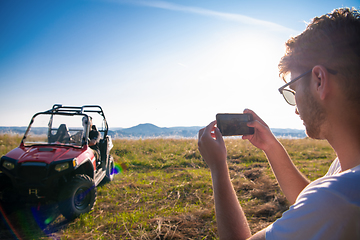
{"points": [[324, 63]]}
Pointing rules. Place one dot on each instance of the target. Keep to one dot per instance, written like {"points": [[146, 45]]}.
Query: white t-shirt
{"points": [[328, 208]]}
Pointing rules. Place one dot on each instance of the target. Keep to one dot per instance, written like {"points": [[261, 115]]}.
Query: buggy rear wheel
{"points": [[77, 197], [110, 170]]}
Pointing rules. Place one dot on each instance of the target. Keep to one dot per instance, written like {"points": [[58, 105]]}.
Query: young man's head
{"points": [[331, 44], [333, 41]]}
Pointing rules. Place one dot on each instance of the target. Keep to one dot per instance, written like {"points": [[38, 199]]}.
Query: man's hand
{"points": [[262, 137], [211, 146]]}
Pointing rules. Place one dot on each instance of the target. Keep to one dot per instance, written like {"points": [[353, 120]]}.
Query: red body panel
{"points": [[48, 154]]}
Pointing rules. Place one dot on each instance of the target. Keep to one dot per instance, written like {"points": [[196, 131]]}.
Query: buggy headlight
{"points": [[74, 162], [62, 166], [8, 165]]}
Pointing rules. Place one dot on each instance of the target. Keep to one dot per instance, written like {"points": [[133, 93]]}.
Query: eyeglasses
{"points": [[289, 95]]}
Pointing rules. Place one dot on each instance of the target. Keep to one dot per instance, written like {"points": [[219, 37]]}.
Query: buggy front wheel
{"points": [[77, 197]]}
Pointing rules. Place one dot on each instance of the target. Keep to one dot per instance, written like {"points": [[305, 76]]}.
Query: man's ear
{"points": [[320, 80]]}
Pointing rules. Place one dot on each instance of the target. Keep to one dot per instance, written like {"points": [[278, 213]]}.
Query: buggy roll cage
{"points": [[59, 109], [70, 110]]}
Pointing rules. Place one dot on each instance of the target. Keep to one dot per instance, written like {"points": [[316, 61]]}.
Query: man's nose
{"points": [[296, 111]]}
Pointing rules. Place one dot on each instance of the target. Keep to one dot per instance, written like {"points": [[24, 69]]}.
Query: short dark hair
{"points": [[332, 40]]}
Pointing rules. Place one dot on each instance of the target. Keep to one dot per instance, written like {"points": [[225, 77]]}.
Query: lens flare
{"points": [[119, 168], [8, 223]]}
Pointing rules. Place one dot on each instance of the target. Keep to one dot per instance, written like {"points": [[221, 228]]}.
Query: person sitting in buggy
{"points": [[94, 138]]}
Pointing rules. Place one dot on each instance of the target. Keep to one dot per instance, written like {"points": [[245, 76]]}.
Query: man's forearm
{"points": [[290, 179], [231, 221]]}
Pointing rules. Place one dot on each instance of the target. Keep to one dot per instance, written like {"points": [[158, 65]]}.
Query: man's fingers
{"points": [[201, 131], [255, 116], [218, 135], [206, 133], [209, 128]]}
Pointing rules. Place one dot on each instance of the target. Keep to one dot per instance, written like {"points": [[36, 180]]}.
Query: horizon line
{"points": [[159, 127]]}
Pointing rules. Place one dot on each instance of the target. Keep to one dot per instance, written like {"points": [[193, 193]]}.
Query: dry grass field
{"points": [[166, 193]]}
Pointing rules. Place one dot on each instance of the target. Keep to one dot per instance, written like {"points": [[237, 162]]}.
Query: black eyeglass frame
{"points": [[282, 89]]}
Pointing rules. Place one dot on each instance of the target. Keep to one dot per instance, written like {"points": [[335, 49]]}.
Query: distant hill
{"points": [[149, 130], [13, 130], [288, 133]]}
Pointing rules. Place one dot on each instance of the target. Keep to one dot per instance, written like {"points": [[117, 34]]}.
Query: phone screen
{"points": [[233, 124]]}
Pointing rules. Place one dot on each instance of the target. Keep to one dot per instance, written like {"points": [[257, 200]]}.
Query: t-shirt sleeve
{"points": [[319, 213]]}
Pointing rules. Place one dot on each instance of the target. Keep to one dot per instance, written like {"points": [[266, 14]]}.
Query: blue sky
{"points": [[170, 63]]}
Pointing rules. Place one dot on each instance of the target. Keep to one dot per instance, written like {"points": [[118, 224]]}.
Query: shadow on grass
{"points": [[25, 221]]}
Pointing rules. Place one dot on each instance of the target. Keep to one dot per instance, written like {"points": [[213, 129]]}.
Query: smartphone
{"points": [[233, 124]]}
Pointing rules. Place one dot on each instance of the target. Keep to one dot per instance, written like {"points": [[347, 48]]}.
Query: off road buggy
{"points": [[54, 160]]}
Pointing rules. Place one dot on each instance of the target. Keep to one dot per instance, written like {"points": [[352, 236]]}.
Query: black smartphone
{"points": [[232, 124]]}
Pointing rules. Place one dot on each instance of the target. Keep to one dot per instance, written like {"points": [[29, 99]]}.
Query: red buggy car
{"points": [[54, 160]]}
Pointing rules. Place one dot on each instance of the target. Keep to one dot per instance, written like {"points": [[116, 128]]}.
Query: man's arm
{"points": [[94, 136], [231, 220], [230, 217], [290, 179]]}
